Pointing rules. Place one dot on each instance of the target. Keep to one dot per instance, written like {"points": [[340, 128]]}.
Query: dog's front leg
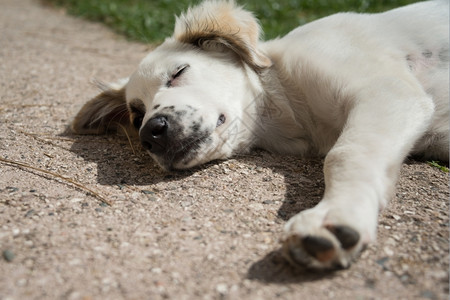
{"points": [[360, 174]]}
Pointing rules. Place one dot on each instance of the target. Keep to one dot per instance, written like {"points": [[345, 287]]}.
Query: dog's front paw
{"points": [[314, 240]]}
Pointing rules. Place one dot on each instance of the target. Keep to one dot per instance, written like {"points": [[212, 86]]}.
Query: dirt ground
{"points": [[210, 233]]}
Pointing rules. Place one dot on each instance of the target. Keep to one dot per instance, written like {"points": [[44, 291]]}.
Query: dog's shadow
{"points": [[304, 189], [273, 268], [120, 162]]}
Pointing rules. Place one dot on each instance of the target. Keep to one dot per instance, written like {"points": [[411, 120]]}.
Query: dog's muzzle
{"points": [[169, 142]]}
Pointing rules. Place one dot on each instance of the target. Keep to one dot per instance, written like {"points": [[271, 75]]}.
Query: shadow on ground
{"points": [[117, 163], [273, 268]]}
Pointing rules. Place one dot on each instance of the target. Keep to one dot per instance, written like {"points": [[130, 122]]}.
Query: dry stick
{"points": [[77, 184], [128, 137], [45, 138]]}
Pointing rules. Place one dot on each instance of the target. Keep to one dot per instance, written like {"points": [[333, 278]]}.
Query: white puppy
{"points": [[364, 90]]}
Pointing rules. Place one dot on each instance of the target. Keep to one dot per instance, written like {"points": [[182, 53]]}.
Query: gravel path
{"points": [[211, 233]]}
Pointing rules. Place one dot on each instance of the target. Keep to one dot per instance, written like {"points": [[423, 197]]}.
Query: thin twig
{"points": [[128, 137], [43, 139], [69, 180], [46, 139]]}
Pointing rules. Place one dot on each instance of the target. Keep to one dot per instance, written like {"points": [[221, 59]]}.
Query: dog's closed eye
{"points": [[180, 70]]}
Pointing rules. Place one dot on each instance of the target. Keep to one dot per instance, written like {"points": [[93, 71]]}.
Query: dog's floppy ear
{"points": [[102, 113], [218, 24]]}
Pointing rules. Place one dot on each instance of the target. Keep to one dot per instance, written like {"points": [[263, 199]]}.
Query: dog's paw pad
{"points": [[319, 248], [347, 236], [332, 247]]}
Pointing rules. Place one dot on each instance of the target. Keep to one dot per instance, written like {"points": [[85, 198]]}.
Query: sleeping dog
{"points": [[363, 90]]}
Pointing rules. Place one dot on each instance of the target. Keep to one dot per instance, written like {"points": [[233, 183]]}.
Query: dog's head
{"points": [[189, 98]]}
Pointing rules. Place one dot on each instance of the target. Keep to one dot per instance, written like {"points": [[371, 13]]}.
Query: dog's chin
{"points": [[185, 154], [178, 161]]}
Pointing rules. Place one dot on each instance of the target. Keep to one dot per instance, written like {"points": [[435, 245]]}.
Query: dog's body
{"points": [[364, 90]]}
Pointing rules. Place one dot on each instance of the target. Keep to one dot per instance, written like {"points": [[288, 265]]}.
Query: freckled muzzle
{"points": [[168, 141]]}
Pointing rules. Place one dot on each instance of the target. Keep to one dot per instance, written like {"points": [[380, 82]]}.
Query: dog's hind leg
{"points": [[361, 169]]}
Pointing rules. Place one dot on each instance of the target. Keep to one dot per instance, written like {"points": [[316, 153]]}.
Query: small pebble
{"points": [[29, 263], [428, 294], [439, 274], [12, 189], [21, 282], [382, 261], [222, 288], [147, 192], [8, 255], [388, 251], [30, 213]]}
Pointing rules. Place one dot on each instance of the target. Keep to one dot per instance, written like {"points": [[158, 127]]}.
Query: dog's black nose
{"points": [[154, 135]]}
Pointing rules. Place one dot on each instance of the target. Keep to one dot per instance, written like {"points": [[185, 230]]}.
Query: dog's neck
{"points": [[274, 123]]}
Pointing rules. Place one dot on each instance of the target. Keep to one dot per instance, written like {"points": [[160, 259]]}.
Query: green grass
{"points": [[438, 165], [151, 21]]}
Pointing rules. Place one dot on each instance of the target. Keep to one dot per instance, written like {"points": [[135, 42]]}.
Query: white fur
{"points": [[364, 90]]}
